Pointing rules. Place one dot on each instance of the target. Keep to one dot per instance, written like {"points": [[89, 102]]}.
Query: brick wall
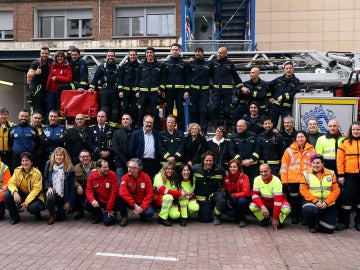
{"points": [[23, 12]]}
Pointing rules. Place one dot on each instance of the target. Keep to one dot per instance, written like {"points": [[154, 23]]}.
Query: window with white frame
{"points": [[57, 23], [145, 21], [6, 26]]}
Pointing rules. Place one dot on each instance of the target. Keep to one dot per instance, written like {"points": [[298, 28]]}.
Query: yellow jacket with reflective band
{"points": [[29, 183], [295, 161], [163, 189], [326, 146], [4, 136], [321, 186]]}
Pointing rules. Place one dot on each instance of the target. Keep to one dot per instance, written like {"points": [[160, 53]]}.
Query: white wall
{"points": [[13, 97]]}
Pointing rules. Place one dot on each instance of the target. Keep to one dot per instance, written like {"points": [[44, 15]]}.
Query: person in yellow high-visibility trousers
{"points": [[165, 193], [188, 203]]}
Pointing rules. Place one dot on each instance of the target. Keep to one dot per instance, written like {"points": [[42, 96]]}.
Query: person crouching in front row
{"points": [[267, 197], [319, 188], [102, 192], [166, 194]]}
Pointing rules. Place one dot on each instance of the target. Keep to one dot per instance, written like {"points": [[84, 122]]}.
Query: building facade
{"points": [[99, 24]]}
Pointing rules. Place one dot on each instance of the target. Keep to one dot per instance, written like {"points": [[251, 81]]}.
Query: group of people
{"points": [[272, 173], [136, 86]]}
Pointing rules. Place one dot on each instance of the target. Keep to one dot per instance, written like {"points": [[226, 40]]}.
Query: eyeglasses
{"points": [[79, 118], [84, 156]]}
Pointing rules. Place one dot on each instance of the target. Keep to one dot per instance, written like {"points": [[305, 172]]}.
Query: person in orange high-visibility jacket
{"points": [[4, 179], [348, 166], [295, 160], [319, 188]]}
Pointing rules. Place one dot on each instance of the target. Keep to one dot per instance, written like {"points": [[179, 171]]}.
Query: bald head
{"points": [[241, 126], [254, 74], [80, 120], [265, 171], [333, 127], [222, 53]]}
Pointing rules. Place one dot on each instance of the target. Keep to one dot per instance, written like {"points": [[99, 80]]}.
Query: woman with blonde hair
{"points": [[165, 193], [59, 179], [194, 145]]}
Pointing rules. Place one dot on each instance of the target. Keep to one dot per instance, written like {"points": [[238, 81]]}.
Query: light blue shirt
{"points": [[149, 149]]}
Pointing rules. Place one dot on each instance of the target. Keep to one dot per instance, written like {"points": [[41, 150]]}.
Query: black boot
{"points": [[164, 222], [183, 222]]}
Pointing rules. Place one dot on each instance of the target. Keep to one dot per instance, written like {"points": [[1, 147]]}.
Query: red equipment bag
{"points": [[72, 103]]}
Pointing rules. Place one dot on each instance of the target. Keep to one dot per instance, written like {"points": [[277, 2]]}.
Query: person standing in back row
{"points": [[283, 90], [37, 77], [80, 74], [176, 84], [225, 78], [108, 75], [127, 85], [199, 76], [149, 85]]}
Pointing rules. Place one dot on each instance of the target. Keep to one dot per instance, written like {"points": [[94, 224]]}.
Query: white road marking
{"points": [[172, 259]]}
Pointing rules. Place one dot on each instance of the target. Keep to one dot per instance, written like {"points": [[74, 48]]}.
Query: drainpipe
{"points": [[252, 23], [99, 16], [183, 24]]}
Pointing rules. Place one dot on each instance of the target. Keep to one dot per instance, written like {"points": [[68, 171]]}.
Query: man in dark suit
{"points": [[144, 145]]}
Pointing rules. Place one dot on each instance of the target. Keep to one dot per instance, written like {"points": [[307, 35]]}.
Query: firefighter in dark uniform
{"points": [[127, 83], [171, 143], [242, 147], [80, 74], [149, 85], [99, 140], [256, 90], [270, 146], [108, 75], [208, 177], [37, 77], [224, 78], [176, 83], [283, 89], [199, 77]]}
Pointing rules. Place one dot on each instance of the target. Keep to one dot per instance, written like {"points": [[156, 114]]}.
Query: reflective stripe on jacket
{"points": [[321, 186], [295, 161]]}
